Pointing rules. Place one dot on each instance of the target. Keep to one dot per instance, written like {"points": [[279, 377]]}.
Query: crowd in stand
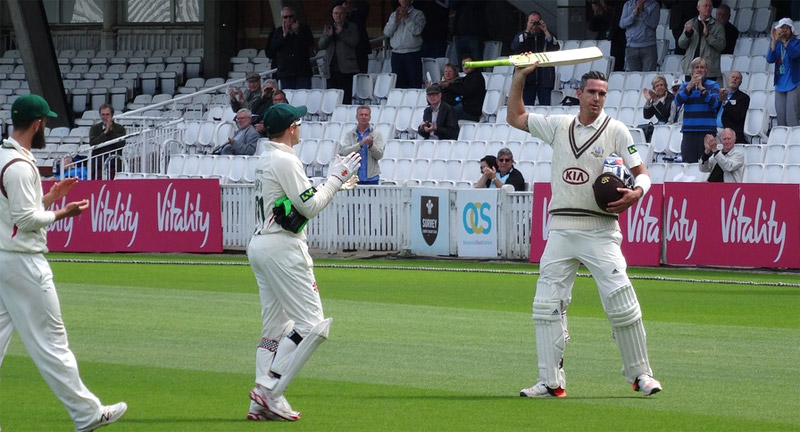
{"points": [[707, 99]]}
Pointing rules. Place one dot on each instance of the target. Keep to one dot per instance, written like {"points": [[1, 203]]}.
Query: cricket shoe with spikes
{"points": [[109, 414], [541, 390], [647, 385], [259, 413], [278, 406]]}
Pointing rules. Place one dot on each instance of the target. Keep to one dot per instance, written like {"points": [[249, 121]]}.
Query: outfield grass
{"points": [[414, 350]]}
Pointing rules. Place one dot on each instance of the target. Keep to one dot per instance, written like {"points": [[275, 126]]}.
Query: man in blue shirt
{"points": [[368, 141]]}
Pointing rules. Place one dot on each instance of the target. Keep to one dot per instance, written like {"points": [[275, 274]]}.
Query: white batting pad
{"points": [[548, 321], [622, 308], [288, 365]]}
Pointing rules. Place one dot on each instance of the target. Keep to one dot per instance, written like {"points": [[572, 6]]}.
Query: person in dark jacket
{"points": [[468, 93], [434, 34], [438, 119], [503, 174], [537, 38], [658, 101], [733, 108], [731, 32], [357, 13], [289, 48], [339, 40]]}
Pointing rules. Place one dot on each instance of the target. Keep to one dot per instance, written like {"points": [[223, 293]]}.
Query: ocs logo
{"points": [[475, 218]]}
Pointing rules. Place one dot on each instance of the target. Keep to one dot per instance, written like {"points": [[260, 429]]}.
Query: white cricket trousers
{"points": [[29, 303], [598, 250], [288, 291], [286, 283]]}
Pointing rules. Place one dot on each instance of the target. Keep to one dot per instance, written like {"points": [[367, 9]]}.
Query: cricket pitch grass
{"points": [[414, 346]]}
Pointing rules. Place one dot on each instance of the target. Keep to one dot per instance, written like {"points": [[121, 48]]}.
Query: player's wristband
{"points": [[642, 181]]}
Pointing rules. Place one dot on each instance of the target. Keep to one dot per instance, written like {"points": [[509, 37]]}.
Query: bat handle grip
{"points": [[486, 63]]}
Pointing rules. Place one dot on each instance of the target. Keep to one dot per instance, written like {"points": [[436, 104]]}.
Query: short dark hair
{"points": [[491, 161], [104, 106], [595, 75], [23, 124]]}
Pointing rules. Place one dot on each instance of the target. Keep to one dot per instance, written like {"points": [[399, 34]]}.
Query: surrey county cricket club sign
{"points": [[430, 221], [178, 215]]}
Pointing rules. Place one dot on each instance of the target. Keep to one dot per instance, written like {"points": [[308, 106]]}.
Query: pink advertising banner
{"points": [[141, 216], [741, 225], [640, 226]]}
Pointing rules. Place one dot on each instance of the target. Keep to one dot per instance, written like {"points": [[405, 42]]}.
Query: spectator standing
{"points": [[100, 133], [785, 53], [357, 13], [731, 32], [537, 38], [469, 27], [658, 101], [726, 165], [339, 40], [734, 105], [29, 302], [289, 48], [248, 98], [582, 232], [699, 99], [604, 19], [680, 12], [404, 30], [244, 141], [434, 34], [702, 37], [367, 141], [640, 19], [504, 174], [467, 92], [488, 172], [438, 119]]}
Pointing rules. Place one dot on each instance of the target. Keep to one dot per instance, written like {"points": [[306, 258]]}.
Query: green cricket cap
{"points": [[280, 116], [30, 107]]}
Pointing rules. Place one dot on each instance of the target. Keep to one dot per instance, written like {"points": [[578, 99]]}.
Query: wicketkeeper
{"points": [[291, 310]]}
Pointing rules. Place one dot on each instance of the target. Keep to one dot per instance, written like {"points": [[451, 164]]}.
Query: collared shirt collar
{"points": [[282, 147], [12, 143], [596, 123]]}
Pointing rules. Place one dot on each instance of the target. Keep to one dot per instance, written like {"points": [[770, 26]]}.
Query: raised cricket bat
{"points": [[551, 58]]}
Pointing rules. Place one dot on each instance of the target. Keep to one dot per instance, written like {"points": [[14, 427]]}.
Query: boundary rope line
{"points": [[421, 268]]}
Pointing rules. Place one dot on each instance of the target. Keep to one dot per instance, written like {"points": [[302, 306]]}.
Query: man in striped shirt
{"points": [[699, 98]]}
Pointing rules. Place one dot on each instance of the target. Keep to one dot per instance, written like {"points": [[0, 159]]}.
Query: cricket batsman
{"points": [[582, 232], [293, 325]]}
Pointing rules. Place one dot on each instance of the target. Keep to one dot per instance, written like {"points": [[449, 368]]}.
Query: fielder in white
{"points": [[580, 231], [28, 299], [291, 310]]}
